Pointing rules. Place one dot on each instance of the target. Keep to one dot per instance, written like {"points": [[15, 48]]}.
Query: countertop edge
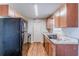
{"points": [[59, 43]]}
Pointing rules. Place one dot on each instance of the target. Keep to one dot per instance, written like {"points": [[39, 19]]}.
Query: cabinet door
{"points": [[71, 50], [52, 49], [48, 23], [63, 20], [51, 23], [46, 45], [57, 19], [60, 50], [72, 14], [67, 50], [3, 10], [0, 10]]}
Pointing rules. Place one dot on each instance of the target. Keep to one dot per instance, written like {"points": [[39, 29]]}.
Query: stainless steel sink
{"points": [[52, 36]]}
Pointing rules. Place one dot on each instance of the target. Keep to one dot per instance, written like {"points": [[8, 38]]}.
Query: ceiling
{"points": [[28, 10]]}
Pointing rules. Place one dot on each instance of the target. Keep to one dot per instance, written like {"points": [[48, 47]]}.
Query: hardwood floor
{"points": [[25, 49], [36, 49]]}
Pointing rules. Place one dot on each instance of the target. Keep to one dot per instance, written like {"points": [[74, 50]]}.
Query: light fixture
{"points": [[36, 10]]}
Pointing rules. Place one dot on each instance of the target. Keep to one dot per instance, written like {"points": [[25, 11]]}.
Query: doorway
{"points": [[37, 36]]}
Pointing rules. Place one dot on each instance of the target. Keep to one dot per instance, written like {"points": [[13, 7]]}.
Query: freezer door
{"points": [[1, 36], [11, 42]]}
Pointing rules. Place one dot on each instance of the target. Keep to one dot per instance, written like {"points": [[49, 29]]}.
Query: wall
{"points": [[25, 32], [14, 13], [30, 27], [34, 33]]}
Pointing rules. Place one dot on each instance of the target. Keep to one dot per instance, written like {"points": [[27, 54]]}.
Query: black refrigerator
{"points": [[11, 37]]}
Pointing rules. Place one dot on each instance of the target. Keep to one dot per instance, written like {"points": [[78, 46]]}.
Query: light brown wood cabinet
{"points": [[3, 10], [57, 18], [53, 49], [46, 45], [67, 50], [67, 16], [63, 20], [49, 47], [49, 24]]}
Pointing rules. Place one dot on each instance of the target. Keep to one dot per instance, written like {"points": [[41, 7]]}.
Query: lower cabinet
{"points": [[49, 47], [46, 45], [67, 50], [53, 49]]}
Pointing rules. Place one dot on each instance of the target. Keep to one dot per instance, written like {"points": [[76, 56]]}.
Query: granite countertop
{"points": [[64, 40]]}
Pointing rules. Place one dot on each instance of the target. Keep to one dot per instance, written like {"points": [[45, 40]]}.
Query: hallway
{"points": [[36, 49]]}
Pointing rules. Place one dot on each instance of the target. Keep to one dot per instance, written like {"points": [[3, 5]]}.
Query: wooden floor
{"points": [[36, 49], [25, 49]]}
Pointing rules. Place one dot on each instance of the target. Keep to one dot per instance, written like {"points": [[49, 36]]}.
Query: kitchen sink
{"points": [[53, 36]]}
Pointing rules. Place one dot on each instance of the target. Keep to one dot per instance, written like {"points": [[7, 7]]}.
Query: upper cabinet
{"points": [[56, 17], [72, 15], [63, 13], [66, 16], [3, 10], [49, 24]]}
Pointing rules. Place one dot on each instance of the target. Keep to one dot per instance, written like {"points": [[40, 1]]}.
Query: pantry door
{"points": [[37, 32]]}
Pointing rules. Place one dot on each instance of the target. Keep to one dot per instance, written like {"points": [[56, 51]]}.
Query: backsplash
{"points": [[71, 32]]}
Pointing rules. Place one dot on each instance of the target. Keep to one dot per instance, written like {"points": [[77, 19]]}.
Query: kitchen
{"points": [[53, 27]]}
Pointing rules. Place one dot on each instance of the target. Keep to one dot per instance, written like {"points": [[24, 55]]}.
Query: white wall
{"points": [[36, 31], [30, 27], [25, 32]]}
